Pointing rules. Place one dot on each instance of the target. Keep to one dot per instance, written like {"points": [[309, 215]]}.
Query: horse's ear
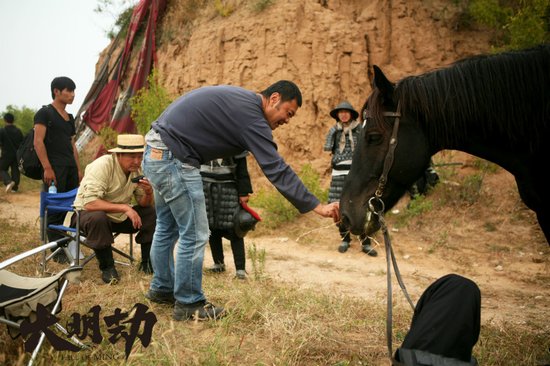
{"points": [[382, 83]]}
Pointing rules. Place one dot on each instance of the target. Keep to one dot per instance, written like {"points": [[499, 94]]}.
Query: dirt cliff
{"points": [[327, 47]]}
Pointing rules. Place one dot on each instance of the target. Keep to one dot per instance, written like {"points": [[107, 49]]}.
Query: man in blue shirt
{"points": [[205, 124]]}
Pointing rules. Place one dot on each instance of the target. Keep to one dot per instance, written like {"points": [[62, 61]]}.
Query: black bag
{"points": [[27, 160]]}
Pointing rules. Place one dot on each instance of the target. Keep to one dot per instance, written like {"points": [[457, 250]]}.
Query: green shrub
{"points": [[416, 207], [516, 24], [471, 188], [223, 8], [311, 179], [148, 103], [277, 210], [122, 22], [260, 5], [108, 137], [485, 166]]}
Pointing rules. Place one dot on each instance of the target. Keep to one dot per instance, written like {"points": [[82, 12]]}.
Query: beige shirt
{"points": [[104, 179]]}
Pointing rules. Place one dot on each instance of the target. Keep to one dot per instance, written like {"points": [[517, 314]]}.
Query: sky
{"points": [[42, 39]]}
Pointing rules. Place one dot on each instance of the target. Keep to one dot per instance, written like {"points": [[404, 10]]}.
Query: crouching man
{"points": [[105, 200]]}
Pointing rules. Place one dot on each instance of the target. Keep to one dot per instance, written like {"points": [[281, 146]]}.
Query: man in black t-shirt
{"points": [[54, 132], [10, 139]]}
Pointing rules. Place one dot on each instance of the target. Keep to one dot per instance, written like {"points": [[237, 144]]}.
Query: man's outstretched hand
{"points": [[329, 210]]}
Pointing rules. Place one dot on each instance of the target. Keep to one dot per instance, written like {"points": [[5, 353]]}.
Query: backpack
{"points": [[27, 160]]}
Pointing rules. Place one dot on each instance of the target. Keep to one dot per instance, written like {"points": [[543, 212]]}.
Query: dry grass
{"points": [[269, 323]]}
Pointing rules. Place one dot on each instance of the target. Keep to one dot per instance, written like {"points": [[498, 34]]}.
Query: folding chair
{"points": [[20, 295], [63, 202]]}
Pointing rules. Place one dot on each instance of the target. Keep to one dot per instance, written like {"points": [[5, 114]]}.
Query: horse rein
{"points": [[390, 255]]}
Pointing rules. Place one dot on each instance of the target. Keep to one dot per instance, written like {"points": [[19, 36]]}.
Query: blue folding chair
{"points": [[63, 203], [51, 203]]}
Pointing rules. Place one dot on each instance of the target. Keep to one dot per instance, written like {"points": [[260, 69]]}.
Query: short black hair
{"points": [[60, 83], [8, 117], [287, 89]]}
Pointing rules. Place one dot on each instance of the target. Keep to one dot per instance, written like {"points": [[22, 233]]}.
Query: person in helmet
{"points": [[341, 141], [226, 184]]}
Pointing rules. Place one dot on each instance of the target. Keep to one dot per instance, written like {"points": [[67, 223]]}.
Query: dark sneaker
{"points": [[146, 267], [367, 248], [202, 310], [216, 268], [343, 247], [110, 275], [60, 257], [160, 297]]}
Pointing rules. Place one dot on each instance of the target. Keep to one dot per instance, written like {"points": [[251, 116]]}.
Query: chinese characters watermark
{"points": [[136, 323]]}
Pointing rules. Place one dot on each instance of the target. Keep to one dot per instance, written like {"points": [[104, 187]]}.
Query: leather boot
{"points": [[106, 261], [145, 266]]}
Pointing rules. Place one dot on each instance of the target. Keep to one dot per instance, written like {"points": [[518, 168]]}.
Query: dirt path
{"points": [[514, 283]]}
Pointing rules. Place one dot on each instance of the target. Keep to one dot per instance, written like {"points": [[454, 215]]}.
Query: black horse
{"points": [[495, 107]]}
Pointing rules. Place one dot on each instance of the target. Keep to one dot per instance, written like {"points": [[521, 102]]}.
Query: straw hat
{"points": [[129, 144]]}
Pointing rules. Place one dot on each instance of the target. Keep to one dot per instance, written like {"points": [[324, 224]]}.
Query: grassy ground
{"points": [[269, 323]]}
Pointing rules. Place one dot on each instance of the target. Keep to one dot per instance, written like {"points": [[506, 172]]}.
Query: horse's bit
{"points": [[388, 162]]}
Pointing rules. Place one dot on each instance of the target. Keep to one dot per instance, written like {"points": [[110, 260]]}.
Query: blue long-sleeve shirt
{"points": [[221, 121]]}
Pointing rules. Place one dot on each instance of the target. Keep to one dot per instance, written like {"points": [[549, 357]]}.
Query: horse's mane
{"points": [[499, 90]]}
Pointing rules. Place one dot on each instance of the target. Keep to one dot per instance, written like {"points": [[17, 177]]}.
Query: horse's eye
{"points": [[374, 138]]}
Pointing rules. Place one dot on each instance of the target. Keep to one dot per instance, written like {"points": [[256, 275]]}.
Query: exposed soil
{"points": [[495, 241]]}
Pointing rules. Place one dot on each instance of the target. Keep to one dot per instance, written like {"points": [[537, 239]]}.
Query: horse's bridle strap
{"points": [[388, 162]]}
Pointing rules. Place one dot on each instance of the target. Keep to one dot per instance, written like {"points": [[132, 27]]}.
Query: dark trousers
{"points": [[237, 247], [446, 319], [98, 230], [10, 164], [346, 236], [67, 179]]}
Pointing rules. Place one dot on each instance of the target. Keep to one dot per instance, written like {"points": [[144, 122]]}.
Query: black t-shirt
{"points": [[10, 139], [59, 135]]}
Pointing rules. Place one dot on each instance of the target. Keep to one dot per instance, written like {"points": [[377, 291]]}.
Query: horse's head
{"points": [[384, 122]]}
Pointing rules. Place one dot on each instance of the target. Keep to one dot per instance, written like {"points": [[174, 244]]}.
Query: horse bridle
{"points": [[390, 256]]}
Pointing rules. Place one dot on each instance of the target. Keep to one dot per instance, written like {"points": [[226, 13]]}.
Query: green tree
{"points": [[518, 24], [121, 11], [24, 117], [148, 103]]}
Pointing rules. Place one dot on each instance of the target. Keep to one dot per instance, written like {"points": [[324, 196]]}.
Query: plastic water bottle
{"points": [[53, 188]]}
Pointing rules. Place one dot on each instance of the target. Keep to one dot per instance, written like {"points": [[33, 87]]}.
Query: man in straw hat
{"points": [[209, 123], [104, 196]]}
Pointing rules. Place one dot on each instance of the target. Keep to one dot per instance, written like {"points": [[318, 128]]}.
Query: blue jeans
{"points": [[181, 218]]}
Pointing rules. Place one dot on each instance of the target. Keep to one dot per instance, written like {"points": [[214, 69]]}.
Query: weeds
{"points": [[278, 210], [419, 205], [268, 322], [148, 103], [485, 166], [108, 137], [223, 8], [257, 259], [470, 189], [260, 5], [442, 241]]}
